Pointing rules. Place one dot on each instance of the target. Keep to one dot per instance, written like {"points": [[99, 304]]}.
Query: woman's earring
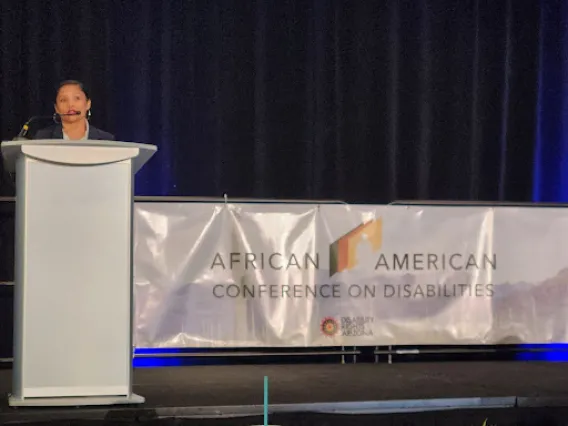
{"points": [[88, 114], [55, 117]]}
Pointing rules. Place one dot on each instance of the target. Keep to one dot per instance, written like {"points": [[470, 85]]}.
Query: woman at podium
{"points": [[72, 112]]}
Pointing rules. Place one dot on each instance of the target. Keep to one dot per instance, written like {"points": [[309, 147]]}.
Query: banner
{"points": [[277, 275]]}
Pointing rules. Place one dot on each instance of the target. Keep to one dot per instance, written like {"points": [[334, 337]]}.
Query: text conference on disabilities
{"points": [[344, 290]]}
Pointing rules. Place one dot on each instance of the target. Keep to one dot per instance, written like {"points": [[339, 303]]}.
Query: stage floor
{"points": [[217, 391]]}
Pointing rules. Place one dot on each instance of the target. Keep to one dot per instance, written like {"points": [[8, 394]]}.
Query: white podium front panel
{"points": [[74, 279]]}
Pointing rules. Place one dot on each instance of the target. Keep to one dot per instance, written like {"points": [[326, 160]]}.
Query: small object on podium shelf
{"points": [[265, 405], [73, 305]]}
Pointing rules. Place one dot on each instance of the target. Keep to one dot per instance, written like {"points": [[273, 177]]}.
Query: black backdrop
{"points": [[364, 101]]}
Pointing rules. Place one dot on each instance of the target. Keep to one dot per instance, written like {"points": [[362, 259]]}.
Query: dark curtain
{"points": [[363, 101], [551, 142]]}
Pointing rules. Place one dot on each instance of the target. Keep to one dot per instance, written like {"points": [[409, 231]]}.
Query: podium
{"points": [[73, 293]]}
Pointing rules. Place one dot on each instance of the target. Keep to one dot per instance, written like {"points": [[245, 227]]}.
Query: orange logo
{"points": [[343, 252], [329, 327]]}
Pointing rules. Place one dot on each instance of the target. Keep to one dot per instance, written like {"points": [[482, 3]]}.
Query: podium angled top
{"points": [[73, 152]]}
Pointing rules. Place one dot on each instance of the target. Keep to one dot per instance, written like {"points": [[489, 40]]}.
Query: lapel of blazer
{"points": [[57, 132], [93, 132]]}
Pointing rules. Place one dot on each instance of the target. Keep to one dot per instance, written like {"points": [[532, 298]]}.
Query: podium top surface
{"points": [[85, 152]]}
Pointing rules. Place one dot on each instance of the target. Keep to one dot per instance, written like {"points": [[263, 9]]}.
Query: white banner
{"points": [[251, 275]]}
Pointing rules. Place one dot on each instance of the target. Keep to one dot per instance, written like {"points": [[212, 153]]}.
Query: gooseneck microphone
{"points": [[23, 133]]}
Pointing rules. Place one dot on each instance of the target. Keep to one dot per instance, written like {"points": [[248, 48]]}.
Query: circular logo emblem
{"points": [[329, 327]]}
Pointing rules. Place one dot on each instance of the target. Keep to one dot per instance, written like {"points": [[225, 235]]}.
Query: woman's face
{"points": [[71, 99]]}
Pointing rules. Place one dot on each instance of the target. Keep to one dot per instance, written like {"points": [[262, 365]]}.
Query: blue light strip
{"points": [[555, 352]]}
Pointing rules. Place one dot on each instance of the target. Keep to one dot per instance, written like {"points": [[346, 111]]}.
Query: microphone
{"points": [[23, 133]]}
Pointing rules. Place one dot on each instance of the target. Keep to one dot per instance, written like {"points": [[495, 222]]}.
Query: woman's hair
{"points": [[74, 82]]}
